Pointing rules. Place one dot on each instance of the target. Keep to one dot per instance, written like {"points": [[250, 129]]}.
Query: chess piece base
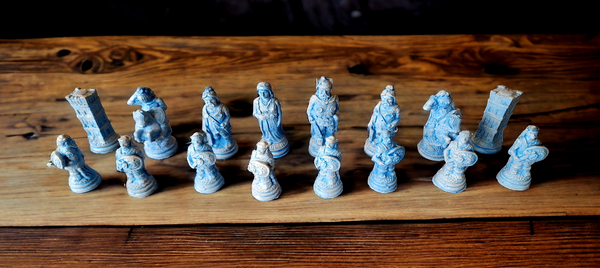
{"points": [[326, 190], [161, 149], [484, 150], [451, 183], [268, 194], [107, 148], [383, 184], [90, 185], [203, 186], [226, 153], [429, 151], [280, 148], [511, 181], [143, 191]]}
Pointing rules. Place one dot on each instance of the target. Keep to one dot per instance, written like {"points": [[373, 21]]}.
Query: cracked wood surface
{"points": [[559, 75]]}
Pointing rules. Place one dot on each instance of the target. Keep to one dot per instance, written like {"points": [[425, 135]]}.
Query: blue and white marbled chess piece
{"points": [[265, 186], [130, 159], [386, 117], [216, 124], [489, 135], [322, 114], [152, 125], [441, 128], [89, 110], [458, 156], [388, 154], [527, 150], [200, 157], [267, 109], [328, 161], [68, 156]]}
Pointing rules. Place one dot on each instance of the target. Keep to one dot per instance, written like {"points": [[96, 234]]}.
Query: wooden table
{"points": [[553, 223]]}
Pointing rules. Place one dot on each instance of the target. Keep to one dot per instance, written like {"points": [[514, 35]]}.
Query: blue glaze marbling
{"points": [[200, 157], [328, 161], [388, 154], [322, 114], [441, 128], [265, 186], [89, 110], [68, 156], [216, 124], [386, 117], [458, 156], [147, 99], [267, 109], [153, 130], [489, 135], [130, 159], [527, 150]]}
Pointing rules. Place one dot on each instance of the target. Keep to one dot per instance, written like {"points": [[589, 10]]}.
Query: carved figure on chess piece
{"points": [[322, 114], [153, 130], [441, 128], [458, 156], [216, 124], [383, 178], [265, 186], [130, 159], [200, 157], [328, 161], [147, 99], [386, 117], [68, 156], [267, 110], [527, 150]]}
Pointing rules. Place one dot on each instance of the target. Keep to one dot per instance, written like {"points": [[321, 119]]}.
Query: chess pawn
{"points": [[441, 128], [200, 157], [383, 178], [458, 156], [267, 109], [130, 160], [386, 117], [216, 124], [322, 114], [68, 156], [527, 150], [265, 186], [328, 161]]}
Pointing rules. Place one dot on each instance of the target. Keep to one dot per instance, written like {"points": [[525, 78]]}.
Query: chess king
{"points": [[322, 114]]}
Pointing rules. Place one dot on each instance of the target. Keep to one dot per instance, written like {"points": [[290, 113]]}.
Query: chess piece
{"points": [[322, 114], [216, 125], [388, 154], [441, 128], [386, 117], [527, 150], [458, 156], [89, 110], [489, 134], [267, 109], [264, 186], [130, 159], [200, 157], [68, 156], [328, 161]]}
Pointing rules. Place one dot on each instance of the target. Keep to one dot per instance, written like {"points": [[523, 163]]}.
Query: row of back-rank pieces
{"points": [[442, 140]]}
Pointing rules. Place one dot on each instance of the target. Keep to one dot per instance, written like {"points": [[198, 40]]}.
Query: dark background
{"points": [[33, 19]]}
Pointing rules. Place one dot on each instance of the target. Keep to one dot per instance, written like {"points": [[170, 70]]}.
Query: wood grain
{"points": [[559, 75], [560, 243]]}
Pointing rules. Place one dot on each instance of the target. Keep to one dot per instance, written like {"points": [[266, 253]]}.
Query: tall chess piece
{"points": [[267, 110], [526, 151], [200, 157], [383, 178], [458, 156], [216, 125], [130, 159], [328, 161], [489, 135], [441, 128], [67, 156], [152, 125], [386, 117], [265, 186], [322, 114], [87, 105]]}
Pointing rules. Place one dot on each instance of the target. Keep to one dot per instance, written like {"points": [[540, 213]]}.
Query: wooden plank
{"points": [[572, 243], [559, 75]]}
